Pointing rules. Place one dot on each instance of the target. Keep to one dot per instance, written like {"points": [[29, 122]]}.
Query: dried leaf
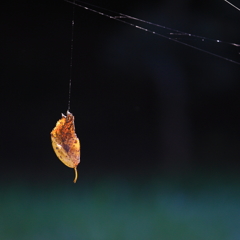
{"points": [[65, 143]]}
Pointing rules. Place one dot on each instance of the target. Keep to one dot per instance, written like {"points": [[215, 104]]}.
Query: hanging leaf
{"points": [[65, 142]]}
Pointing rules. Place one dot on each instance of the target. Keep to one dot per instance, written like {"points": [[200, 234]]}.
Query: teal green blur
{"points": [[199, 208]]}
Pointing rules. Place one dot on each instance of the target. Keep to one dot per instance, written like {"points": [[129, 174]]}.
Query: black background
{"points": [[143, 105]]}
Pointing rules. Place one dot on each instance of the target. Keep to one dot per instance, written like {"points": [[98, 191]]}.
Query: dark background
{"points": [[145, 108]]}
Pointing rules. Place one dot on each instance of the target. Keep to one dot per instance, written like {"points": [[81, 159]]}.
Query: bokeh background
{"points": [[158, 123]]}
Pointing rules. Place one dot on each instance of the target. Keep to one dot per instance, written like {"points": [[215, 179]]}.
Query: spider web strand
{"points": [[71, 59], [120, 18]]}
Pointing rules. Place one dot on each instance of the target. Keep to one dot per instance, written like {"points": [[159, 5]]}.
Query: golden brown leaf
{"points": [[65, 143]]}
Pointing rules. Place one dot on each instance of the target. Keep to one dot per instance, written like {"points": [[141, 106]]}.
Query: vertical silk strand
{"points": [[71, 60]]}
